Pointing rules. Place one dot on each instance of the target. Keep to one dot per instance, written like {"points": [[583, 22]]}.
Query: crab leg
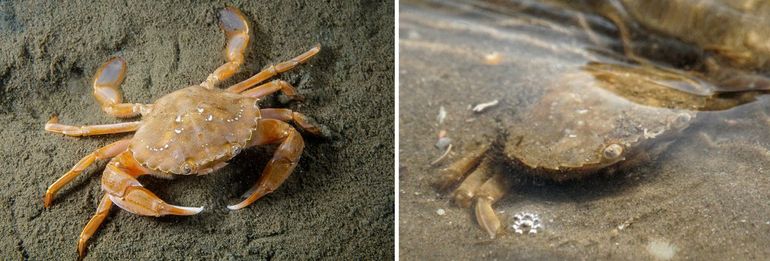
{"points": [[236, 29], [273, 70], [93, 224], [492, 190], [105, 152], [303, 121], [459, 169], [90, 130], [283, 162], [107, 90], [272, 87], [468, 188]]}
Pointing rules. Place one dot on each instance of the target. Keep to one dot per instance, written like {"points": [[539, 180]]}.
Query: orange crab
{"points": [[194, 130]]}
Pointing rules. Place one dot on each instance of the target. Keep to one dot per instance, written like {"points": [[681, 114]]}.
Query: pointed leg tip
{"points": [[81, 250], [188, 211], [53, 120], [245, 203], [47, 201]]}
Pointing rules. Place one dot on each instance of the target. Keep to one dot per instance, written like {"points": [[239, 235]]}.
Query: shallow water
{"points": [[704, 196], [327, 209]]}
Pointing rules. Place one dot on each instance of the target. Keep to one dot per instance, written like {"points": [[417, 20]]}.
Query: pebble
{"points": [[443, 142]]}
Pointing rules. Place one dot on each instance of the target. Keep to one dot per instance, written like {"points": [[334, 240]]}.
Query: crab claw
{"points": [[120, 184], [140, 201], [486, 216]]}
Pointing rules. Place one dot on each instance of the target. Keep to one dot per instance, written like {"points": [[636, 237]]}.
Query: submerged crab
{"points": [[737, 30], [191, 131], [578, 128]]}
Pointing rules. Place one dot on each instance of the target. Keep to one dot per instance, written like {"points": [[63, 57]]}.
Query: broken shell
{"points": [[526, 223]]}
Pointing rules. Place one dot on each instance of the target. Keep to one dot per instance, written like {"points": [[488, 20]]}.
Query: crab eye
{"points": [[236, 150], [186, 169], [612, 151]]}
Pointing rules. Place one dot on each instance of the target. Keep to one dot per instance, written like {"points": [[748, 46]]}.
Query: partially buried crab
{"points": [[191, 131]]}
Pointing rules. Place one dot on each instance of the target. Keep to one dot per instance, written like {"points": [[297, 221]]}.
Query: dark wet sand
{"points": [[706, 196], [338, 204]]}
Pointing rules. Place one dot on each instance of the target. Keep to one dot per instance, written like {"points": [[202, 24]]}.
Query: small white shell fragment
{"points": [[661, 250], [440, 212], [494, 58], [441, 115], [526, 222], [483, 106], [443, 142]]}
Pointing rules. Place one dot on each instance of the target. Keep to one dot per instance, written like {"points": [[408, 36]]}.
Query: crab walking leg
{"points": [[465, 193], [300, 119], [236, 29], [105, 152], [283, 162], [93, 224], [119, 181], [273, 70], [90, 130], [272, 87], [492, 190], [459, 169], [107, 90]]}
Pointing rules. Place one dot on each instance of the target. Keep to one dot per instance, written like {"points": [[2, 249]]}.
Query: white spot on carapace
{"points": [[178, 118], [209, 118]]}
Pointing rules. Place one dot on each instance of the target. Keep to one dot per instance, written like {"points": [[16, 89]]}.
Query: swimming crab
{"points": [[191, 131]]}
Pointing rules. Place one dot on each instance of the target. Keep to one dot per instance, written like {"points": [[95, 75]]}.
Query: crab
{"points": [[736, 30], [589, 121], [578, 128], [191, 131]]}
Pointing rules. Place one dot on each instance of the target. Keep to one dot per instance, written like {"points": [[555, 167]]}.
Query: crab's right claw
{"points": [[486, 217], [141, 201], [119, 182]]}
